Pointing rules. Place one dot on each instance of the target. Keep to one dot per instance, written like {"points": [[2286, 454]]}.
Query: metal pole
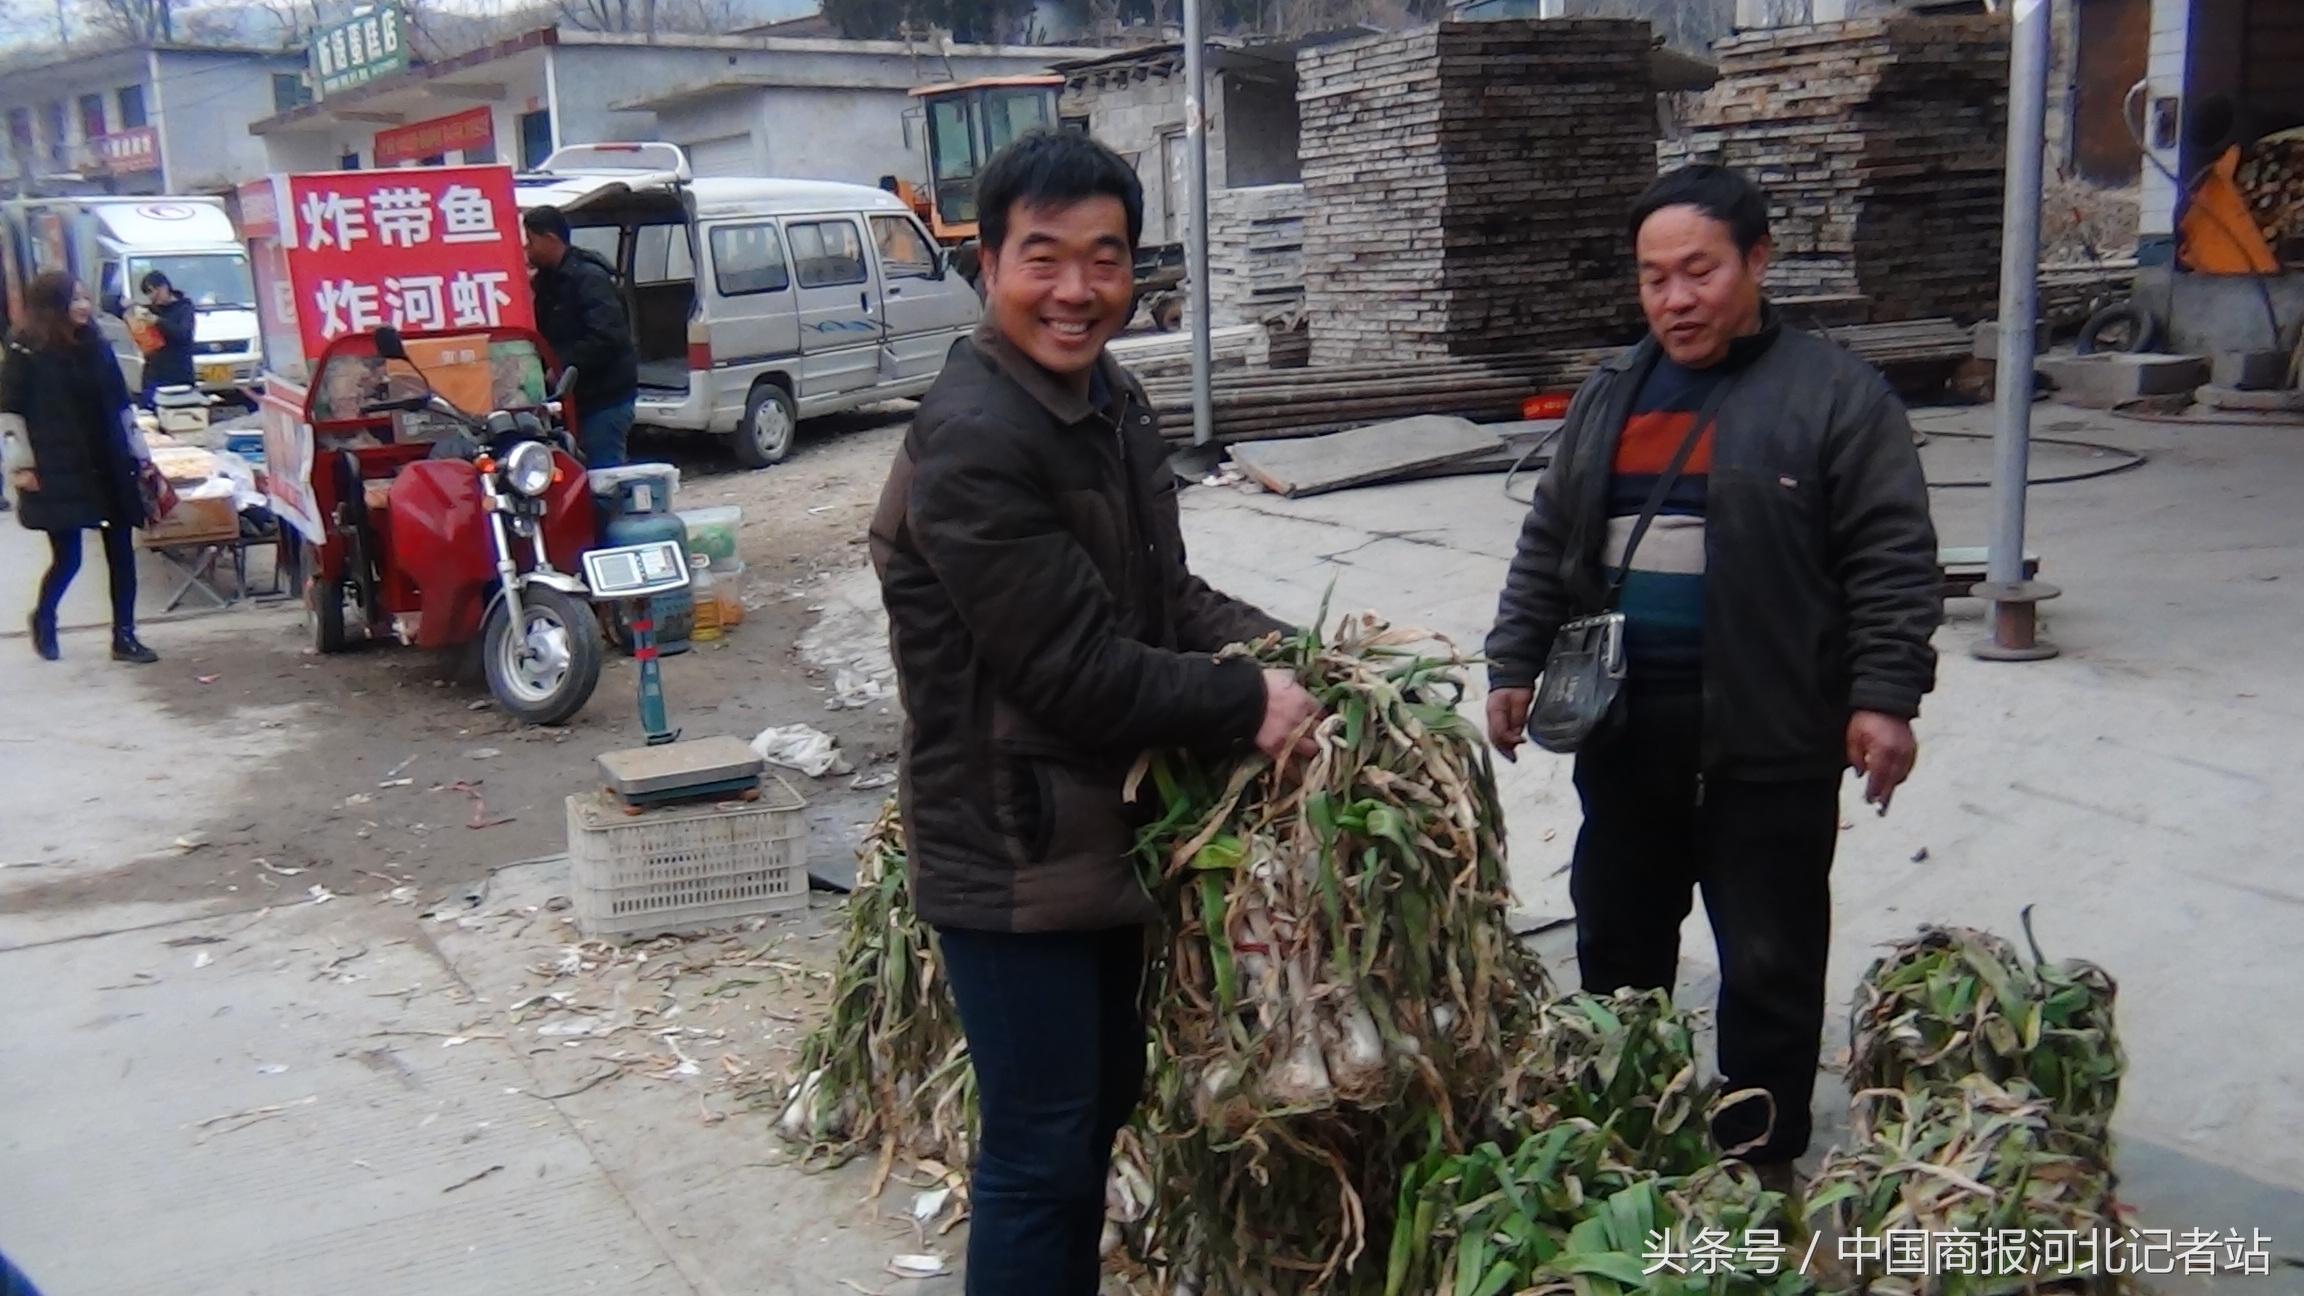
{"points": [[2013, 597], [1196, 237]]}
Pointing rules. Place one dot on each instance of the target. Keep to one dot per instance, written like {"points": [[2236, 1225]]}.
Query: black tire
{"points": [[549, 694], [324, 613], [2128, 322], [770, 429]]}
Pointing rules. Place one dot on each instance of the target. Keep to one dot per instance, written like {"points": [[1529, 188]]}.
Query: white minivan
{"points": [[758, 303]]}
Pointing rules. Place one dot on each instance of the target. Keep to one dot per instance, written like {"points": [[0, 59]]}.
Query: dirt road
{"points": [[387, 768]]}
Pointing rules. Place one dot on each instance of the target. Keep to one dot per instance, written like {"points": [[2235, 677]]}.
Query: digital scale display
{"points": [[635, 570]]}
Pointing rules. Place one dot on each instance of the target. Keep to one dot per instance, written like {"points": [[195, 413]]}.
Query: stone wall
{"points": [[1467, 184]]}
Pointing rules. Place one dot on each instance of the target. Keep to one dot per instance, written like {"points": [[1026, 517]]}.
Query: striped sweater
{"points": [[1663, 601]]}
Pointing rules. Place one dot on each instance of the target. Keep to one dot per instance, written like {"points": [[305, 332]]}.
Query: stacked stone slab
{"points": [[1256, 253], [1467, 186], [1880, 142]]}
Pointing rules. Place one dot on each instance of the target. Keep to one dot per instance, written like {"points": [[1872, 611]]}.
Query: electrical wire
{"points": [[2130, 460]]}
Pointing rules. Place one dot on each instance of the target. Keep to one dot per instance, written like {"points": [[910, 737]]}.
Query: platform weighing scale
{"points": [[666, 771]]}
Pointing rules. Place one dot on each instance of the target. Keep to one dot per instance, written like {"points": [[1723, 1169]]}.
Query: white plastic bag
{"points": [[808, 750]]}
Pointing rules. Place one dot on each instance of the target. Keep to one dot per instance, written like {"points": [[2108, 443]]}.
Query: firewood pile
{"points": [[1880, 143], [2271, 177], [1466, 186]]}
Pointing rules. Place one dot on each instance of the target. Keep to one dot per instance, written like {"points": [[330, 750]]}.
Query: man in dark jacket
{"points": [[176, 319], [1047, 632], [1778, 610], [581, 313]]}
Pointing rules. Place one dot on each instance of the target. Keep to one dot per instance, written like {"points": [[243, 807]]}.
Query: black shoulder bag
{"points": [[1584, 672]]}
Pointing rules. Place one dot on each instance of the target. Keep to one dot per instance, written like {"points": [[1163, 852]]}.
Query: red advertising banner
{"points": [[424, 249], [416, 141]]}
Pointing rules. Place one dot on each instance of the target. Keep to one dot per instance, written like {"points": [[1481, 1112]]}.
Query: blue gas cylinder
{"points": [[638, 511]]}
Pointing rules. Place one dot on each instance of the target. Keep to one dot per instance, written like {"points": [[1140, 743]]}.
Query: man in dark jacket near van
{"points": [[177, 320], [1778, 613], [1047, 632], [581, 313]]}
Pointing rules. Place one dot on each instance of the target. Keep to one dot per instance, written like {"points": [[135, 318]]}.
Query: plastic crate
{"points": [[686, 868]]}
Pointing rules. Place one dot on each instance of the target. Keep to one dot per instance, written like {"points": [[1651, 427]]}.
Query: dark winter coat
{"points": [[1820, 581], [1046, 633], [171, 365], [74, 404], [580, 312]]}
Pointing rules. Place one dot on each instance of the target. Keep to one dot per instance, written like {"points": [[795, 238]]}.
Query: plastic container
{"points": [[731, 587], [712, 532], [686, 868], [181, 409], [247, 445], [706, 597], [662, 482]]}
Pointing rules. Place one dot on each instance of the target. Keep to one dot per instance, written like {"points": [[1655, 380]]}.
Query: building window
{"points": [[59, 133], [535, 139], [131, 107], [289, 92], [20, 137], [92, 117]]}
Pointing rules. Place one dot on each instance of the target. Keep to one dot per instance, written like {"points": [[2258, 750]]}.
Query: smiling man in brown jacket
{"points": [[1046, 633]]}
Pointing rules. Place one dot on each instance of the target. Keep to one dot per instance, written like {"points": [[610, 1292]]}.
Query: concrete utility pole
{"points": [[1196, 241], [2015, 600]]}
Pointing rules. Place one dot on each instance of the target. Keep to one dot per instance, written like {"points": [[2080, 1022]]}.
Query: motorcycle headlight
{"points": [[528, 469]]}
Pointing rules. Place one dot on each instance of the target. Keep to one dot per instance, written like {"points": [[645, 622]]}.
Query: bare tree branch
{"points": [[137, 21]]}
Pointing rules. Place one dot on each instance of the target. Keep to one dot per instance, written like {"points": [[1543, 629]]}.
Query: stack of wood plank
{"points": [[1256, 253], [1467, 186], [1256, 405], [1880, 142], [2069, 294]]}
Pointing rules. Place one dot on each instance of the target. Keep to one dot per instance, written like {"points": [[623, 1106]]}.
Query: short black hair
{"points": [[153, 280], [547, 220], [1054, 167], [1722, 193]]}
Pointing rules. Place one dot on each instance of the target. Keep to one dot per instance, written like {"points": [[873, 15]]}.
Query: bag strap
{"points": [[1664, 484]]}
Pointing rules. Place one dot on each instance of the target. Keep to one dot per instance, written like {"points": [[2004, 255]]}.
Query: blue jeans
{"points": [[1056, 1034], [603, 432]]}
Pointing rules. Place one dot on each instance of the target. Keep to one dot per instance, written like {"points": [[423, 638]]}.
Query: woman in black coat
{"points": [[74, 455]]}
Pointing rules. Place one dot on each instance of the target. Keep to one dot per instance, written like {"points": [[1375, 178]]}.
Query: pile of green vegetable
{"points": [[1603, 1149], [1360, 1084], [1954, 1002], [1985, 1085], [1342, 994], [887, 1071]]}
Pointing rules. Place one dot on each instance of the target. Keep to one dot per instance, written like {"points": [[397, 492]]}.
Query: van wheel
{"points": [[771, 424]]}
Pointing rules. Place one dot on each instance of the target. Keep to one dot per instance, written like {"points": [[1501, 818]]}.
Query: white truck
{"points": [[110, 244]]}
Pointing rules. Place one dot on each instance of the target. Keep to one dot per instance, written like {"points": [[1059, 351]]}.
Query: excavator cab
{"points": [[966, 122]]}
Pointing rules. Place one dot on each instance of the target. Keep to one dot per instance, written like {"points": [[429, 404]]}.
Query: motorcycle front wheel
{"points": [[544, 670]]}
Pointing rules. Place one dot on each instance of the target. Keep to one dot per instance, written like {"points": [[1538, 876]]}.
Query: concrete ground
{"points": [[235, 1083], [2128, 789]]}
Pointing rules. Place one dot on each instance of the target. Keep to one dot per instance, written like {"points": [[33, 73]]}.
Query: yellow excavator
{"points": [[965, 123]]}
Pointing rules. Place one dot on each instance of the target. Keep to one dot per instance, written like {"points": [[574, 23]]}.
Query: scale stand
{"points": [[668, 771], [652, 712]]}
